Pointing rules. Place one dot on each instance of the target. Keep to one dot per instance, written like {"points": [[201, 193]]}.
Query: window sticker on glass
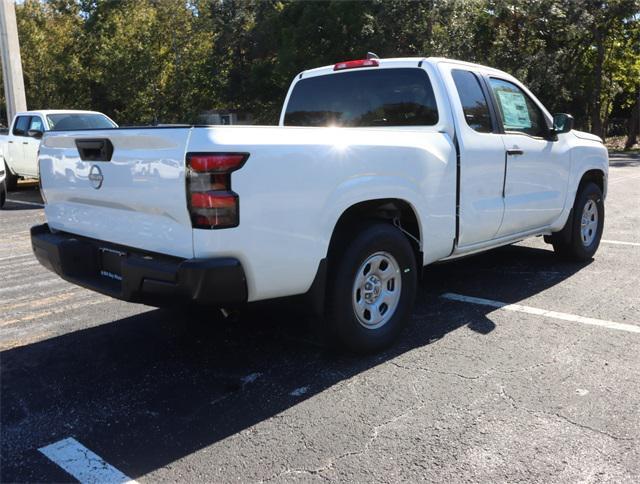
{"points": [[514, 110]]}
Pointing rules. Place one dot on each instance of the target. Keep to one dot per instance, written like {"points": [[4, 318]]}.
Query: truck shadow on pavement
{"points": [[25, 197], [145, 391]]}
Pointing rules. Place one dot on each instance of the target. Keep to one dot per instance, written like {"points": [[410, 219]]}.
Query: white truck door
{"points": [[30, 148], [537, 168], [15, 144], [481, 158]]}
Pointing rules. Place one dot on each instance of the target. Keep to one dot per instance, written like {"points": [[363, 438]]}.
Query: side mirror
{"points": [[35, 133], [562, 123]]}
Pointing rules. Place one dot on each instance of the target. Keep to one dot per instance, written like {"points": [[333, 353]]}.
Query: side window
{"points": [[21, 126], [36, 123], [517, 111], [474, 103]]}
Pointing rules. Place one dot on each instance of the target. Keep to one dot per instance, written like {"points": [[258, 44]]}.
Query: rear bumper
{"points": [[138, 276]]}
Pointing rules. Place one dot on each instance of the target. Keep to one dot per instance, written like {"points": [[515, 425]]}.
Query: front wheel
{"points": [[580, 238], [372, 286]]}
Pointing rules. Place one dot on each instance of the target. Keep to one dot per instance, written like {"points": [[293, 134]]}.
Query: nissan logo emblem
{"points": [[96, 177]]}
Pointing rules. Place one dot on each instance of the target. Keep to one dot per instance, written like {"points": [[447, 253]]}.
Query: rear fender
{"points": [[370, 188]]}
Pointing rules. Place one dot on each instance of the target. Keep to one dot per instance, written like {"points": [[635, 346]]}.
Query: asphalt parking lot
{"points": [[544, 391]]}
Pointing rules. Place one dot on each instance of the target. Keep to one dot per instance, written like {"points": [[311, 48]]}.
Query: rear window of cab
{"points": [[364, 98]]}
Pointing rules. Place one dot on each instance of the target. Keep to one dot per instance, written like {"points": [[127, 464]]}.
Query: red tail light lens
{"points": [[216, 162], [213, 199], [214, 209], [212, 203], [354, 64]]}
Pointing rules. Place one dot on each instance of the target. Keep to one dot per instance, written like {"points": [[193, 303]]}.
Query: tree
{"points": [[51, 39], [146, 61]]}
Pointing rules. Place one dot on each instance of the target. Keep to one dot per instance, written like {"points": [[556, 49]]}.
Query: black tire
{"points": [[11, 181], [3, 193], [569, 243], [345, 330]]}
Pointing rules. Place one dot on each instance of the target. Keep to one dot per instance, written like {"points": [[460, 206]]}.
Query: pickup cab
{"points": [[378, 168], [19, 143]]}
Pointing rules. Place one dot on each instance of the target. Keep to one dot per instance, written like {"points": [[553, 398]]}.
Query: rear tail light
{"points": [[354, 64], [216, 163], [212, 203]]}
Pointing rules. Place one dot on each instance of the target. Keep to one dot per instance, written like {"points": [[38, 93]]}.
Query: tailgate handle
{"points": [[94, 149]]}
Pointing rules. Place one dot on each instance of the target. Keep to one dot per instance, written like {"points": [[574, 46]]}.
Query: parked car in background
{"points": [[378, 168], [19, 145]]}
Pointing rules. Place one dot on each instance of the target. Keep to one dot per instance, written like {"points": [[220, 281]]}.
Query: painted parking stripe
{"points": [[46, 282], [20, 202], [30, 303], [59, 309], [16, 256], [16, 263], [542, 312], [620, 242], [83, 464], [613, 181]]}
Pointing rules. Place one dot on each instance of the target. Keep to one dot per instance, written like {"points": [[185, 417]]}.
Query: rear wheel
{"points": [[580, 238], [11, 181], [372, 286]]}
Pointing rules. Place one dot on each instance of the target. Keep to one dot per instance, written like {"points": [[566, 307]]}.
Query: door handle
{"points": [[515, 152], [11, 141], [25, 142]]}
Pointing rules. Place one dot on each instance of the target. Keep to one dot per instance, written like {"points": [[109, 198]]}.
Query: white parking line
{"points": [[542, 312], [20, 202], [298, 392], [83, 464], [46, 282], [16, 256], [620, 242], [622, 178], [20, 264]]}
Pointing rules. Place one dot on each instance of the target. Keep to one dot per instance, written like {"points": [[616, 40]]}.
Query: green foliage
{"points": [[51, 44], [145, 61]]}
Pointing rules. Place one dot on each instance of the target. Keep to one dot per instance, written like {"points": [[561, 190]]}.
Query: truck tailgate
{"points": [[135, 199]]}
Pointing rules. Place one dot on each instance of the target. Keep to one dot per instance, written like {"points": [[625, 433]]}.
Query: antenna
{"points": [[372, 55]]}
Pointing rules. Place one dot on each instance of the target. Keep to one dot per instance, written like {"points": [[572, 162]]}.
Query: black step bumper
{"points": [[137, 276]]}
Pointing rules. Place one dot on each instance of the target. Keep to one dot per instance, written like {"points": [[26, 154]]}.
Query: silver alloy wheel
{"points": [[589, 223], [376, 290]]}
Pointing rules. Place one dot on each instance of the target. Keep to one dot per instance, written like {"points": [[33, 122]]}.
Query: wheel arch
{"points": [[596, 176], [397, 211]]}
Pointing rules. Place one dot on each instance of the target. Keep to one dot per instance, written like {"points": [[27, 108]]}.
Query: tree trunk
{"points": [[633, 128], [596, 112]]}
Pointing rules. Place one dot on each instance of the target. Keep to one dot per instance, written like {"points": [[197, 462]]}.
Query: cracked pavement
{"points": [[468, 394]]}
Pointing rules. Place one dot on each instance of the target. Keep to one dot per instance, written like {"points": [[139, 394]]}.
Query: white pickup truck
{"points": [[20, 142], [378, 168]]}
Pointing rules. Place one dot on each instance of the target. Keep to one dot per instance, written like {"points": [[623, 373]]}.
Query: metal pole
{"points": [[11, 60]]}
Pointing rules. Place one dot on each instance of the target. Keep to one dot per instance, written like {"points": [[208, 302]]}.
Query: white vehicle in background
{"points": [[378, 168], [19, 144]]}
